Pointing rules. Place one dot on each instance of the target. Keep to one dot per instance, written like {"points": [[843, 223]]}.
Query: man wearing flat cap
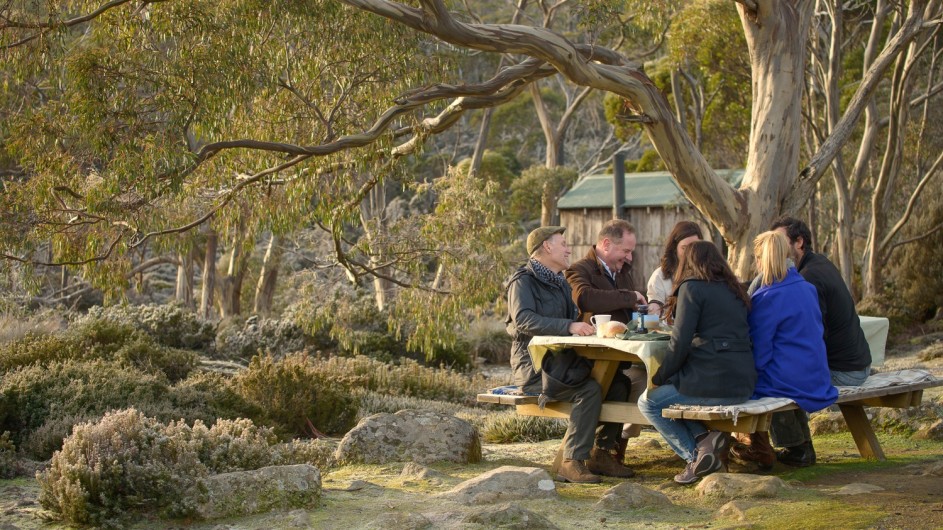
{"points": [[540, 302]]}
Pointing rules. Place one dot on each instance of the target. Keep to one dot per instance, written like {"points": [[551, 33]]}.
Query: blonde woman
{"points": [[788, 346]]}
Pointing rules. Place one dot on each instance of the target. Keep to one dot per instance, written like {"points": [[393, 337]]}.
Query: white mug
{"points": [[597, 321]]}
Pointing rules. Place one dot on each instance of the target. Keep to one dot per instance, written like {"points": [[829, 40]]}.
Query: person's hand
{"points": [[581, 328], [654, 308], [639, 298]]}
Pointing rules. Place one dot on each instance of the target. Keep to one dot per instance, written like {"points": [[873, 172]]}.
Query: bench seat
{"points": [[901, 389]]}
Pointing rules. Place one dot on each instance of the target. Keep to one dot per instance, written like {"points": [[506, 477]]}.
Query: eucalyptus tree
{"points": [[273, 103], [127, 124], [881, 174], [776, 33]]}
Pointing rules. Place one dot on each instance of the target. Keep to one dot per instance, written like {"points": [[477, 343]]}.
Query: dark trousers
{"points": [[584, 428], [791, 428]]}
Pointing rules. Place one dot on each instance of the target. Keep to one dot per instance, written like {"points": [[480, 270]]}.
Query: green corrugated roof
{"points": [[654, 188]]}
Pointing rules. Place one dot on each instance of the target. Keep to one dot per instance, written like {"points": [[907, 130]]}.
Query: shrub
{"points": [[407, 378], [168, 324], [931, 352], [294, 396], [258, 335], [14, 327], [349, 317], [374, 403], [895, 309], [7, 456], [128, 461], [508, 427], [99, 339], [40, 405], [34, 395], [207, 396], [317, 452], [487, 339]]}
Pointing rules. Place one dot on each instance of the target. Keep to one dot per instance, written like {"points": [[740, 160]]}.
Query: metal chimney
{"points": [[618, 185]]}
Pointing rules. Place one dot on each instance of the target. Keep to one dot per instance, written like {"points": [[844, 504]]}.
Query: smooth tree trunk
{"points": [[209, 275], [184, 290], [268, 276], [889, 182], [230, 285]]}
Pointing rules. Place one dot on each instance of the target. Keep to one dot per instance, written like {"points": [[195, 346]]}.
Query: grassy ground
{"points": [[381, 497]]}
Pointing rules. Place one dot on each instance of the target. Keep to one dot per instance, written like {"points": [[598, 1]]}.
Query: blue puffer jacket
{"points": [[788, 349]]}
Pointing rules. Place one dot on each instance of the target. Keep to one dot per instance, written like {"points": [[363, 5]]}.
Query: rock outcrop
{"points": [[410, 436]]}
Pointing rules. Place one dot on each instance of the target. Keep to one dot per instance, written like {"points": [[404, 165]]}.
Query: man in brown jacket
{"points": [[602, 281], [602, 284]]}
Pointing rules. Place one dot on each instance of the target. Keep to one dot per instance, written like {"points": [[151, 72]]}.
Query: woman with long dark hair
{"points": [[660, 284], [709, 359]]}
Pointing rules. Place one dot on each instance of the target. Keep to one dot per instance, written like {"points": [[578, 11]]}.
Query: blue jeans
{"points": [[855, 378], [681, 435]]}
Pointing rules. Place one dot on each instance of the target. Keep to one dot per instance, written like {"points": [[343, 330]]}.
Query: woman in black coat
{"points": [[709, 359]]}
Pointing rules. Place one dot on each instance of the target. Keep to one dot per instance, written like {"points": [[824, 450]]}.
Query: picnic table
{"points": [[901, 389]]}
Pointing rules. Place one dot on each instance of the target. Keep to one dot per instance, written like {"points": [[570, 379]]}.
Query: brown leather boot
{"points": [[602, 462], [759, 451], [575, 471], [620, 450]]}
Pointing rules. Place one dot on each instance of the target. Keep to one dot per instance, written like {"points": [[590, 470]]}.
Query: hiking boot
{"points": [[707, 463], [802, 455], [602, 462], [575, 471], [711, 453], [758, 451], [620, 450], [688, 476]]}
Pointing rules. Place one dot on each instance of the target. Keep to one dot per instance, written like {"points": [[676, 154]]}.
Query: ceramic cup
{"points": [[597, 321]]}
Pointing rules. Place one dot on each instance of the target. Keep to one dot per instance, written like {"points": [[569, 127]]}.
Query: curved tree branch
{"points": [[590, 66]]}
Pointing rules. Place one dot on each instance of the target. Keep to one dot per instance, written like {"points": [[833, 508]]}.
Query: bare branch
{"points": [[911, 203], [811, 174], [917, 238]]}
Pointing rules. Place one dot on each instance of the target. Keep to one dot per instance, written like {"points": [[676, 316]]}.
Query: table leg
{"points": [[860, 427], [603, 372]]}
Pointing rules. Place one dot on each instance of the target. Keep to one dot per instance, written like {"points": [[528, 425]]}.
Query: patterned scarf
{"points": [[547, 275]]}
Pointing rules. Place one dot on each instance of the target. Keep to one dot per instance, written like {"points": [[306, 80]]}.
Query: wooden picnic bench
{"points": [[748, 417]]}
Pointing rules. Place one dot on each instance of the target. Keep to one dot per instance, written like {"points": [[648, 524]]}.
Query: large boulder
{"points": [[504, 484], [735, 485], [410, 436], [248, 492], [509, 516], [629, 496]]}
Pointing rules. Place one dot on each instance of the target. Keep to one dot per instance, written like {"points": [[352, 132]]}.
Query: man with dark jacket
{"points": [[849, 357], [602, 284], [540, 303]]}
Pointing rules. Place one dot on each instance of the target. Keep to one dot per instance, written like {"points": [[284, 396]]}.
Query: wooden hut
{"points": [[652, 202]]}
